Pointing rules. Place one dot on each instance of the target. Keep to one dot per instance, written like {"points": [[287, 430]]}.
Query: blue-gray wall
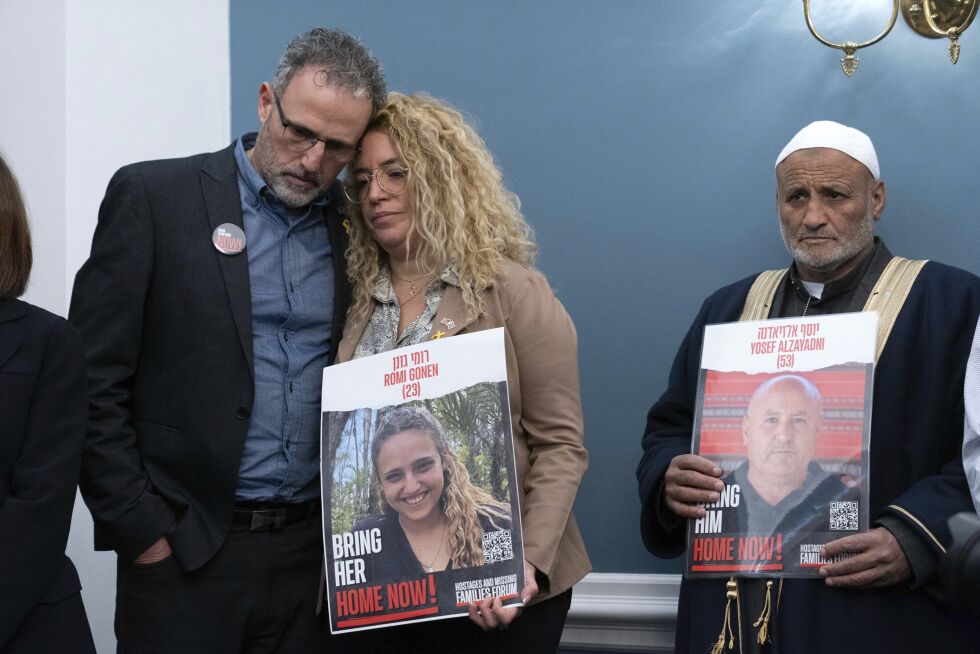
{"points": [[640, 136]]}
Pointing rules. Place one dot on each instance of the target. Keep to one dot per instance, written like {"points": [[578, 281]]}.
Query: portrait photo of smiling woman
{"points": [[433, 516]]}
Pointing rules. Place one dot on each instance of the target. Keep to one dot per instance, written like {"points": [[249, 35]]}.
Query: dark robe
{"points": [[917, 480]]}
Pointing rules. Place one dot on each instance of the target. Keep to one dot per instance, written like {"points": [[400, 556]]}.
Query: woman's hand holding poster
{"points": [[417, 467]]}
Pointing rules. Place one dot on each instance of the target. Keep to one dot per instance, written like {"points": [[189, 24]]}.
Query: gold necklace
{"points": [[411, 282], [412, 291]]}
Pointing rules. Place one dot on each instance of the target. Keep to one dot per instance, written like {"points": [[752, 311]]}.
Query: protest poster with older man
{"points": [[784, 408]]}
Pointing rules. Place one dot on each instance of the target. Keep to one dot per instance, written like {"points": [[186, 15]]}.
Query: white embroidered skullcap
{"points": [[828, 134]]}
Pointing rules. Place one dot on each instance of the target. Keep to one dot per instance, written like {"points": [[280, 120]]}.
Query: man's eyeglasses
{"points": [[301, 139], [391, 178]]}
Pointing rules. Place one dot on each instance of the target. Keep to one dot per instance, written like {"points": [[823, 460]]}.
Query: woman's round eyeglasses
{"points": [[391, 178]]}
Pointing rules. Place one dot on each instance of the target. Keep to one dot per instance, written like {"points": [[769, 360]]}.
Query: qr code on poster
{"points": [[843, 516], [497, 546]]}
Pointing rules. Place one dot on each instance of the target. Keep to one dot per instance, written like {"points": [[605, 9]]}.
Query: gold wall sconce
{"points": [[934, 19]]}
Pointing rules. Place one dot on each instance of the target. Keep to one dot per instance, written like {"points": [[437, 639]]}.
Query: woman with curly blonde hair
{"points": [[438, 247]]}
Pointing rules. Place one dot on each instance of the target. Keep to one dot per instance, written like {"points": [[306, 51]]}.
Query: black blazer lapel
{"points": [[219, 183]]}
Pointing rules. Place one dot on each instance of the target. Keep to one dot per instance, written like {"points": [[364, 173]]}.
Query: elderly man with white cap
{"points": [[828, 196]]}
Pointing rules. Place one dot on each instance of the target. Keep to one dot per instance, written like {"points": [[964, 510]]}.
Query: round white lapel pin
{"points": [[228, 238]]}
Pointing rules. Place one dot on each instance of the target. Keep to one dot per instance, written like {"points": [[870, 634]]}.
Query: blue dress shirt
{"points": [[290, 270]]}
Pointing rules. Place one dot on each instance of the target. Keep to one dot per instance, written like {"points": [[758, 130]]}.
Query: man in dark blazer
{"points": [[214, 295]]}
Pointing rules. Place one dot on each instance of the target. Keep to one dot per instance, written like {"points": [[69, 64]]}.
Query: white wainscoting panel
{"points": [[614, 612]]}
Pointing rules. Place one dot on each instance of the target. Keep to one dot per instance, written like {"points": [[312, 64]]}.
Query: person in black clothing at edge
{"points": [[42, 426]]}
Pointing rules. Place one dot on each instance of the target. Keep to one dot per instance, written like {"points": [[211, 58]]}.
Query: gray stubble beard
{"points": [[844, 250]]}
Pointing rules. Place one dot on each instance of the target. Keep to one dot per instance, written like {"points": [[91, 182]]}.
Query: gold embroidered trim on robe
{"points": [[759, 300], [887, 297], [921, 526]]}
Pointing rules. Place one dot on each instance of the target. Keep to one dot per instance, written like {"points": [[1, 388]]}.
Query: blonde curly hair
{"points": [[463, 214]]}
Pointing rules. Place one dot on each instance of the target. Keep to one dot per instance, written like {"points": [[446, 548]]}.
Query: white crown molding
{"points": [[616, 612]]}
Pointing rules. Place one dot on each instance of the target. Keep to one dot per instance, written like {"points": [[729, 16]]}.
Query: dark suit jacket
{"points": [[42, 425], [166, 321]]}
